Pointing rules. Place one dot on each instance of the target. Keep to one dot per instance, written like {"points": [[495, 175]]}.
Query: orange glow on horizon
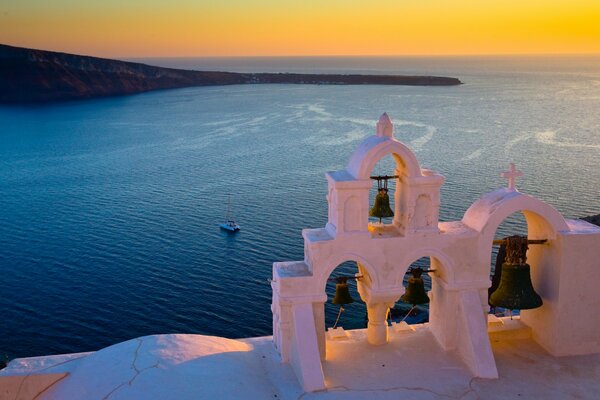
{"points": [[271, 28]]}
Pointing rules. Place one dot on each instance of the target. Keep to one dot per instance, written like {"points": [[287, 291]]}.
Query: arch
{"points": [[439, 261], [487, 213], [373, 149], [336, 261]]}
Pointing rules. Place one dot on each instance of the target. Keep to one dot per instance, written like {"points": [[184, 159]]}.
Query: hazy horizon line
{"points": [[439, 55], [374, 55]]}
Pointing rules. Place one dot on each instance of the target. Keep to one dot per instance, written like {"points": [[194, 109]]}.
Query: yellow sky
{"points": [[137, 28]]}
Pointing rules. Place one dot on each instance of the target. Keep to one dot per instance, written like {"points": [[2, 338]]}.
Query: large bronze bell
{"points": [[415, 291], [342, 292], [381, 207], [515, 291], [501, 259]]}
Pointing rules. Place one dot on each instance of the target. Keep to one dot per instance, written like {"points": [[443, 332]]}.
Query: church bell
{"points": [[515, 291], [342, 293], [415, 291], [381, 207]]}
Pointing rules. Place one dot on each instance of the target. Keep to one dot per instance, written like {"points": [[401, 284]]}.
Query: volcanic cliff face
{"points": [[37, 76], [28, 75]]}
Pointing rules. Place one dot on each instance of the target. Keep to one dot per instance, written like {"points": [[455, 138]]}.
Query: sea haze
{"points": [[110, 208]]}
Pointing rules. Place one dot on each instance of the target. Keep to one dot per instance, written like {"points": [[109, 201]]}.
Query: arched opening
{"points": [[386, 197], [413, 307], [543, 222], [353, 314], [539, 225], [514, 225], [385, 167], [439, 312]]}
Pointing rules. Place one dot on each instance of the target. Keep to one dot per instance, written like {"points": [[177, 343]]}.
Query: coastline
{"points": [[38, 76]]}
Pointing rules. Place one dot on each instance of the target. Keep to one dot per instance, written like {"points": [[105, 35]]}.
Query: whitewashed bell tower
{"points": [[417, 195], [459, 252]]}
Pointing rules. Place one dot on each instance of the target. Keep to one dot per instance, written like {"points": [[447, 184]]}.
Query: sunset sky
{"points": [[138, 28]]}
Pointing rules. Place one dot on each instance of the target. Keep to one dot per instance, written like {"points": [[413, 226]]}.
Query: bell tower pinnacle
{"points": [[384, 126]]}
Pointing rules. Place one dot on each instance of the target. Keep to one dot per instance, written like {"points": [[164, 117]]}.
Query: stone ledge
{"points": [[27, 378]]}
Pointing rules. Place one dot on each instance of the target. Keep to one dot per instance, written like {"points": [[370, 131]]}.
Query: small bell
{"points": [[342, 293], [381, 207], [342, 296], [515, 291], [415, 291]]}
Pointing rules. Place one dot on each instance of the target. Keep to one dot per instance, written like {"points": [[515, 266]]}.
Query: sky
{"points": [[199, 28]]}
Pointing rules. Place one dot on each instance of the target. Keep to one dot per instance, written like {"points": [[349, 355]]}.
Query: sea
{"points": [[110, 208]]}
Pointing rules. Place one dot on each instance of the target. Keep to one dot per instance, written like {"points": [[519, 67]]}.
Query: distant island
{"points": [[38, 76]]}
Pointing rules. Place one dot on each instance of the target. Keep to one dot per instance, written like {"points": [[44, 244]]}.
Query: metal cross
{"points": [[512, 174]]}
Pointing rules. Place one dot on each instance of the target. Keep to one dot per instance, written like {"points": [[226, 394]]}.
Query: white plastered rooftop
{"points": [[410, 366]]}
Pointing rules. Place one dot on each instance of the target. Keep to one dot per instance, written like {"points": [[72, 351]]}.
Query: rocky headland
{"points": [[592, 219], [37, 76]]}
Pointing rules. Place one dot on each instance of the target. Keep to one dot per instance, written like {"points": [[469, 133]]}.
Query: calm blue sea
{"points": [[109, 208]]}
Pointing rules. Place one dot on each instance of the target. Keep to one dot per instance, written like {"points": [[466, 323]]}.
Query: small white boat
{"points": [[230, 225]]}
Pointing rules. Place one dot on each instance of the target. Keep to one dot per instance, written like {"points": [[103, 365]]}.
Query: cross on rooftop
{"points": [[512, 174]]}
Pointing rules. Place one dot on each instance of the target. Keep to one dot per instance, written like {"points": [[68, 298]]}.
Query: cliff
{"points": [[28, 76], [592, 219]]}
